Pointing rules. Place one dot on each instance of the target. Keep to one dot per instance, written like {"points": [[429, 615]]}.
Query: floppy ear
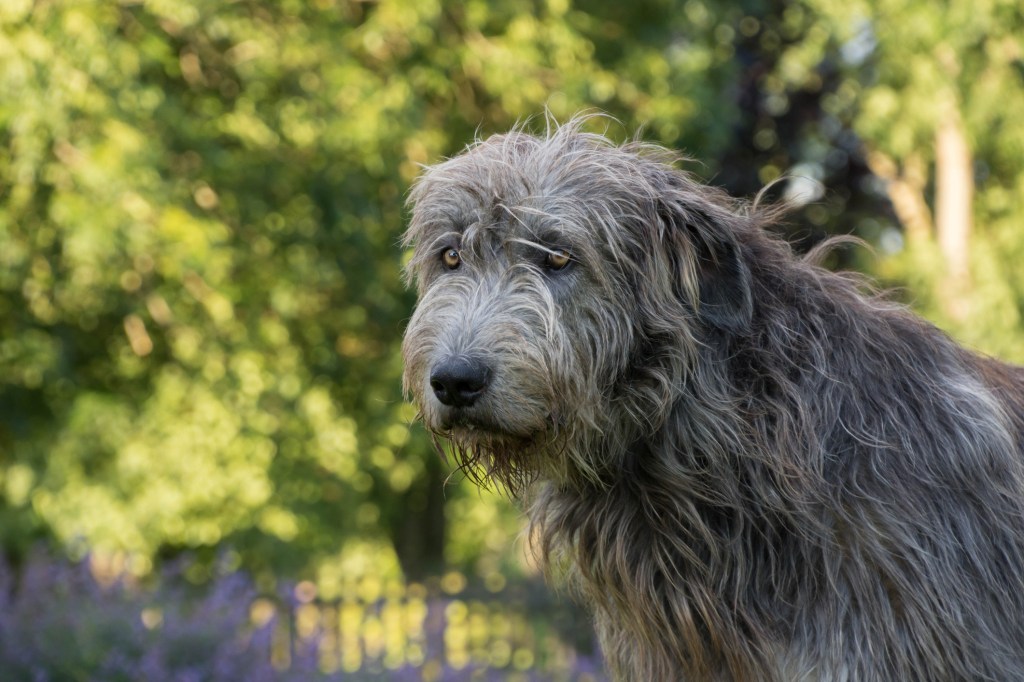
{"points": [[726, 301], [705, 234]]}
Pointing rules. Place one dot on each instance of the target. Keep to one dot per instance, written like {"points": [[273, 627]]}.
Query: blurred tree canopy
{"points": [[200, 204]]}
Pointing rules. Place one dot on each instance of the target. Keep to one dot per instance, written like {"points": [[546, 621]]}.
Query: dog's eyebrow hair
{"points": [[443, 239], [551, 246], [442, 221]]}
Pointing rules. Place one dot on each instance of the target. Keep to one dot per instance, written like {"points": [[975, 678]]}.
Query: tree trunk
{"points": [[905, 188], [954, 194], [418, 527]]}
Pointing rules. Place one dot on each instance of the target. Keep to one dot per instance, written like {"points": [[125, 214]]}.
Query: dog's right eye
{"points": [[451, 258], [558, 260]]}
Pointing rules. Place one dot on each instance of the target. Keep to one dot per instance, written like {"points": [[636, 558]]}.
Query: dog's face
{"points": [[558, 300]]}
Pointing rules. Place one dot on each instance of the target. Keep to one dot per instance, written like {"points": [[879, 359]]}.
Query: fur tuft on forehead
{"points": [[572, 190]]}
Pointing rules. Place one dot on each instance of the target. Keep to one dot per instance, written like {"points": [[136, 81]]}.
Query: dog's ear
{"points": [[705, 249], [723, 277]]}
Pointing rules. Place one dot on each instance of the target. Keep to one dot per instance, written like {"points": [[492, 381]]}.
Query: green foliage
{"points": [[200, 206], [912, 67], [199, 272], [200, 287]]}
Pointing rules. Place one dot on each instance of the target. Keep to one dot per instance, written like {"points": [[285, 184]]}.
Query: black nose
{"points": [[458, 382]]}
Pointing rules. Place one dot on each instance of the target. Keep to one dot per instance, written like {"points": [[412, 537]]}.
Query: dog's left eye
{"points": [[557, 260], [451, 258]]}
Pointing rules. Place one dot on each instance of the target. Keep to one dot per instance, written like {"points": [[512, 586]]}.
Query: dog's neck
{"points": [[664, 527]]}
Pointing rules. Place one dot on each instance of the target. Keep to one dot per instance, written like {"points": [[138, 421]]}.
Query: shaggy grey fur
{"points": [[750, 468]]}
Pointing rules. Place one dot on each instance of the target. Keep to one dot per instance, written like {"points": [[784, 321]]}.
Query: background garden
{"points": [[207, 468]]}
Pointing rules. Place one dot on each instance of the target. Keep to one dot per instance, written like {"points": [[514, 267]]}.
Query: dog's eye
{"points": [[451, 258], [556, 260]]}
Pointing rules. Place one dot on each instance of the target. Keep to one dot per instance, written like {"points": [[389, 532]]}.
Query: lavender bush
{"points": [[57, 624]]}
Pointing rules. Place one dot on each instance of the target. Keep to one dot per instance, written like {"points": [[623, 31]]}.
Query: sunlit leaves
{"points": [[201, 203], [926, 67]]}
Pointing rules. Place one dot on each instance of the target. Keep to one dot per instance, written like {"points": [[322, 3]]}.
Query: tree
{"points": [[200, 280], [202, 294], [201, 287], [934, 94]]}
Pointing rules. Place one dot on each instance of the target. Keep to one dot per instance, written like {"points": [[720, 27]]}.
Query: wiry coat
{"points": [[751, 468]]}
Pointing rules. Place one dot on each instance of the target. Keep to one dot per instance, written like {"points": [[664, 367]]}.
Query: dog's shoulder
{"points": [[1006, 382]]}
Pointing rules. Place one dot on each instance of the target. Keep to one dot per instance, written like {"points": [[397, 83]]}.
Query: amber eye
{"points": [[451, 258], [557, 260]]}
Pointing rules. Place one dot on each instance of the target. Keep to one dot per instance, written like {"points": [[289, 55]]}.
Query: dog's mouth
{"points": [[470, 426], [462, 421], [477, 434]]}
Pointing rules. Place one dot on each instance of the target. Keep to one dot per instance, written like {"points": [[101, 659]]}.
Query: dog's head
{"points": [[565, 286]]}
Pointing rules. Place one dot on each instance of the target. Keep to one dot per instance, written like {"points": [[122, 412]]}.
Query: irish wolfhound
{"points": [[750, 467]]}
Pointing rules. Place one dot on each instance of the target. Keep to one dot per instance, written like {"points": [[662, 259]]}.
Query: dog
{"points": [[747, 466]]}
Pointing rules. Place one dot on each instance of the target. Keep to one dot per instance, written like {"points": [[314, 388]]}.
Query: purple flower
{"points": [[58, 623]]}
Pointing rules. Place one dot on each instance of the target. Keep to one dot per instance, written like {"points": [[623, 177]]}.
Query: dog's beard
{"points": [[485, 457]]}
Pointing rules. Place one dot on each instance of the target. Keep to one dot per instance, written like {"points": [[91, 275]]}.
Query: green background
{"points": [[201, 302]]}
